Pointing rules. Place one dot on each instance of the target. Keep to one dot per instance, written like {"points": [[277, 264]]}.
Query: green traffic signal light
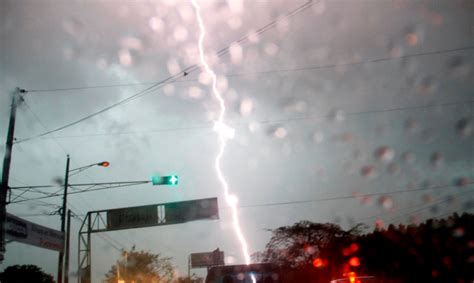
{"points": [[171, 180]]}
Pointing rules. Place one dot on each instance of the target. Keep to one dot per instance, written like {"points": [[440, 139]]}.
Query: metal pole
{"points": [[6, 169], [63, 221], [66, 260], [89, 250]]}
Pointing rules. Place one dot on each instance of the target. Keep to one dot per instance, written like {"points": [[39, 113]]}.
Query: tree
{"points": [[315, 250], [140, 267], [193, 279], [298, 245], [25, 274]]}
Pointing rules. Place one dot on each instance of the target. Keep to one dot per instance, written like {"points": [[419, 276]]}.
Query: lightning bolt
{"points": [[224, 133]]}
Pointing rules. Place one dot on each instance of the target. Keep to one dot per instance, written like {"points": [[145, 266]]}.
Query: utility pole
{"points": [[66, 260], [6, 168], [63, 220]]}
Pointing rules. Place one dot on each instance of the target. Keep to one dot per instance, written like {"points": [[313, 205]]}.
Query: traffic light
{"points": [[171, 180]]}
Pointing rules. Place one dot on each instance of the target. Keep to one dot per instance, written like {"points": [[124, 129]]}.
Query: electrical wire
{"points": [[417, 206], [271, 121], [179, 75], [274, 71]]}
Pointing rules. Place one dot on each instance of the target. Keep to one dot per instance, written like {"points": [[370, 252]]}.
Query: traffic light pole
{"points": [[63, 221], [6, 168]]}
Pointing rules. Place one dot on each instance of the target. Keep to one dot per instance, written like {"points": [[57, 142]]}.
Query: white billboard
{"points": [[27, 232]]}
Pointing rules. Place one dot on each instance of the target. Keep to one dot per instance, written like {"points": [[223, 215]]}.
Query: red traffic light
{"points": [[104, 164]]}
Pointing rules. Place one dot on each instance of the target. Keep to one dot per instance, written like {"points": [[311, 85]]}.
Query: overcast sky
{"points": [[344, 98]]}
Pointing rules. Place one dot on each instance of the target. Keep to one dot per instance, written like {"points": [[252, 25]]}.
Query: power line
{"points": [[271, 121], [266, 72], [348, 196], [182, 73], [119, 185], [399, 191], [427, 206]]}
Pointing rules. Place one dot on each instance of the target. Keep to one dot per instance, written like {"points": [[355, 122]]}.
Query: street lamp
{"points": [[63, 215]]}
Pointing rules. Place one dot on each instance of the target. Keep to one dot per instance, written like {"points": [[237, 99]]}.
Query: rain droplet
{"points": [[246, 107], [386, 202], [462, 182], [412, 39], [222, 84], [236, 6], [204, 78], [318, 137], [458, 232], [253, 36], [411, 125], [457, 67], [101, 63], [195, 92], [271, 49], [337, 116], [427, 85], [368, 171], [173, 66], [436, 159], [253, 127], [464, 127], [384, 154], [156, 24], [280, 133], [234, 22], [180, 33], [236, 54], [131, 43], [125, 57]]}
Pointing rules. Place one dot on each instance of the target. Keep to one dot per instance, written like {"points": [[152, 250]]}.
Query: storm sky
{"points": [[344, 99]]}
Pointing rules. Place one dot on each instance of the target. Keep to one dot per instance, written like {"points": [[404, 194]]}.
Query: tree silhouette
{"points": [[141, 267], [438, 250], [305, 243], [25, 274]]}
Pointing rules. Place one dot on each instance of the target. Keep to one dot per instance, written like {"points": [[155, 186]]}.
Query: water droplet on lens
{"points": [[427, 85], [386, 202], [458, 67], [411, 125], [436, 159], [280, 133], [368, 171], [384, 154], [337, 116], [246, 107], [464, 127], [462, 182]]}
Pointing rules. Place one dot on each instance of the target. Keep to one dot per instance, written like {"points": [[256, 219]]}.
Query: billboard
{"points": [[162, 214], [27, 232], [207, 259]]}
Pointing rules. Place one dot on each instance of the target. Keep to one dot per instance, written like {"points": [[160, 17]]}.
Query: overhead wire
{"points": [[416, 206], [271, 121], [266, 72], [179, 75]]}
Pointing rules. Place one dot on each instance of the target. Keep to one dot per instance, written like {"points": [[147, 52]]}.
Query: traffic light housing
{"points": [[171, 180]]}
